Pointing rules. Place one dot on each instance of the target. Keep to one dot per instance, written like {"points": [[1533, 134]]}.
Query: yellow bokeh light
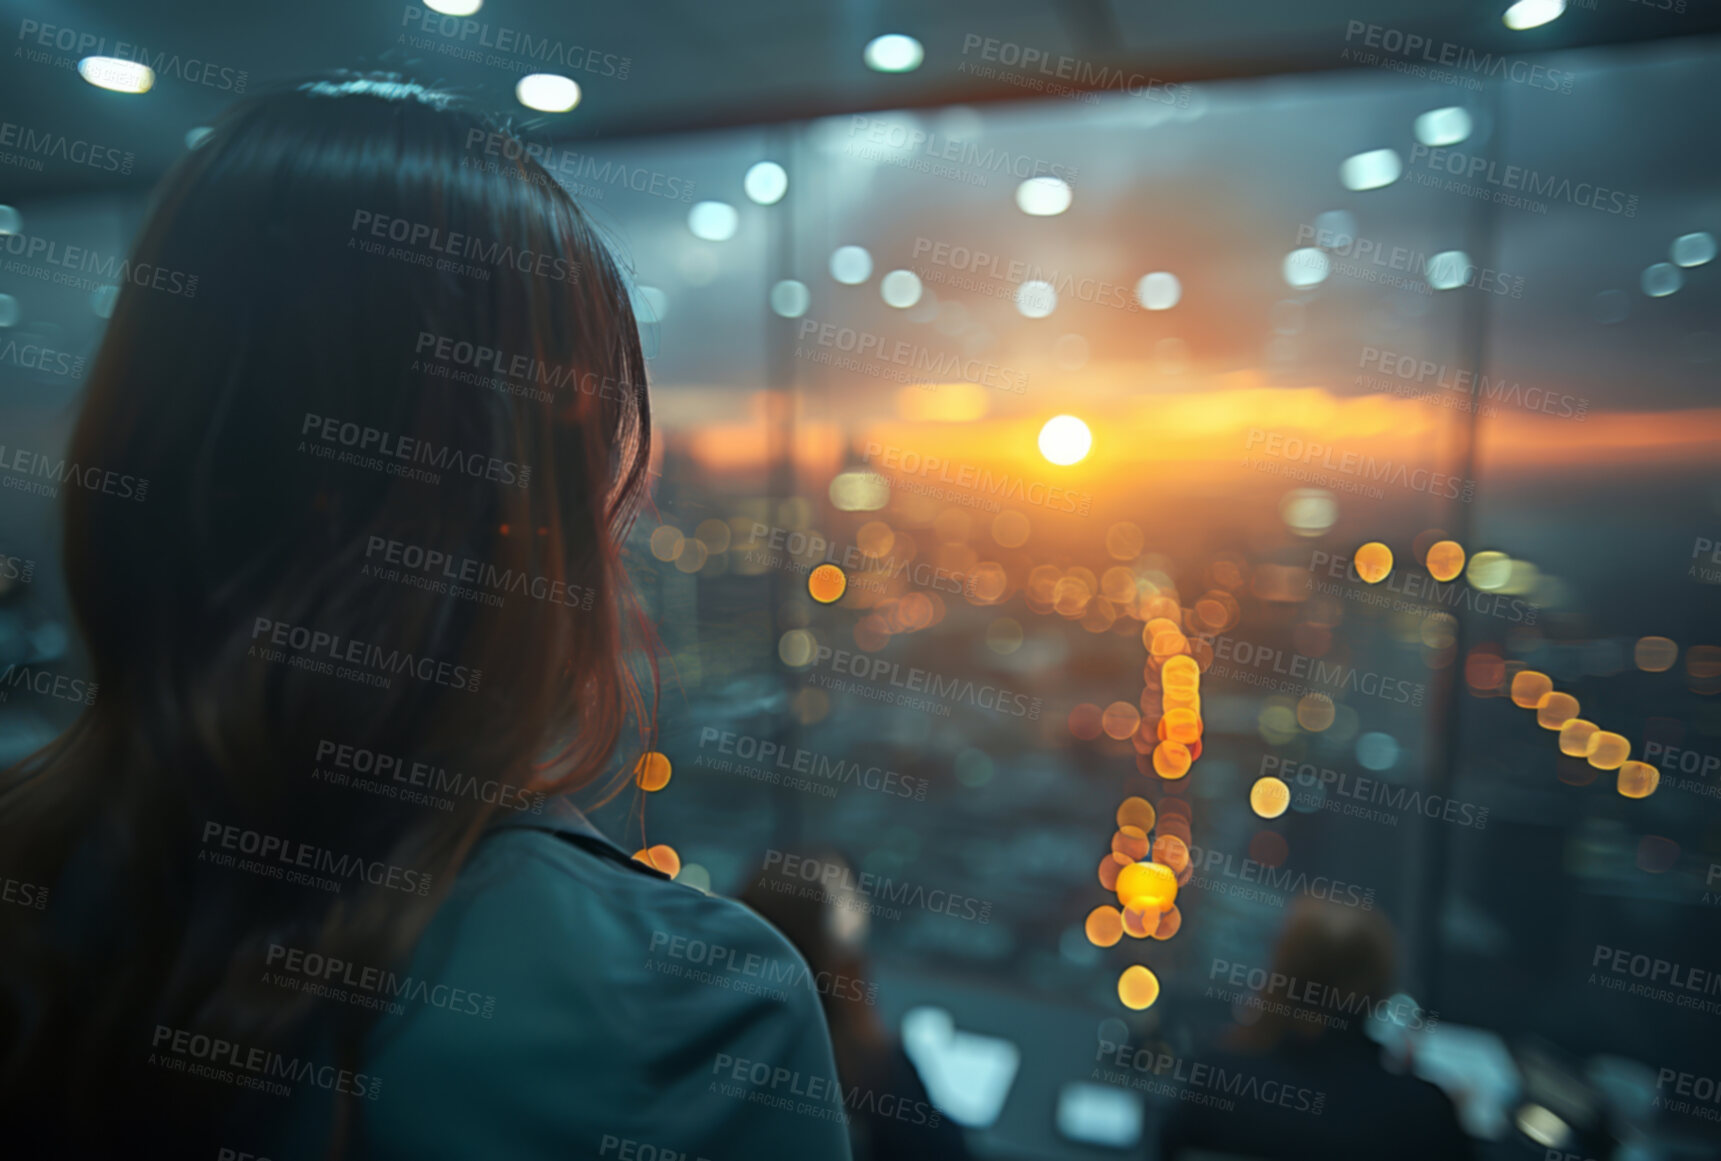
{"points": [[1104, 926], [827, 583], [715, 533], [1529, 687], [1171, 760], [1137, 987], [1182, 672], [1638, 779], [1609, 751], [859, 491], [875, 538], [1269, 797], [1136, 811], [1191, 701], [1010, 529], [1172, 852], [1373, 562], [1489, 571], [797, 647], [652, 771], [1315, 712], [662, 856], [1139, 922], [1123, 541], [1181, 725], [1130, 842], [1578, 738], [1150, 886], [1445, 560], [1065, 440], [1655, 654], [1120, 720], [666, 542], [1169, 921], [1555, 710]]}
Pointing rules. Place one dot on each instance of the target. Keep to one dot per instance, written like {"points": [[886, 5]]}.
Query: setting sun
{"points": [[1065, 440]]}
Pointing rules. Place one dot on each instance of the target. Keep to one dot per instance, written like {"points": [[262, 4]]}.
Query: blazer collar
{"points": [[561, 817]]}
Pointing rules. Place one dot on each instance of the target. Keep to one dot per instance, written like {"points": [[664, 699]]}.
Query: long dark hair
{"points": [[377, 388]]}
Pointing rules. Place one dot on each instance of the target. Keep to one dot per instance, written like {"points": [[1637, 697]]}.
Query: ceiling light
{"points": [[1532, 13], [121, 76], [547, 92], [894, 53]]}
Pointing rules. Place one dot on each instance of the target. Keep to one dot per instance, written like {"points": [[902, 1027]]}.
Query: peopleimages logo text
{"points": [[1295, 449], [837, 877], [794, 759], [261, 1068], [924, 364], [271, 850], [37, 36], [775, 546], [577, 168], [25, 471], [1445, 54], [378, 766], [1208, 863], [58, 147], [496, 44], [1656, 978], [1198, 1082], [1421, 587], [969, 485], [312, 645], [916, 680], [396, 452], [70, 261], [1479, 168], [1374, 792], [894, 135], [453, 243], [1317, 671]]}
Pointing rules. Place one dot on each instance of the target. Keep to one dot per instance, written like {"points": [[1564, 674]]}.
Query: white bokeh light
{"points": [[713, 221], [117, 74], [1036, 299], [851, 265], [1306, 267], [1446, 126], [1693, 249], [766, 183], [547, 92], [900, 288], [1532, 13], [1043, 197], [1662, 279], [893, 53], [1159, 290], [1448, 270], [790, 298], [1371, 170]]}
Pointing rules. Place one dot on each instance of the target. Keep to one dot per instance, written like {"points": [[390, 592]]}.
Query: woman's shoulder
{"points": [[580, 999], [578, 889]]}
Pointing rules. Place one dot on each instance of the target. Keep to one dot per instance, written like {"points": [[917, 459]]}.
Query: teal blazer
{"points": [[591, 1008]]}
